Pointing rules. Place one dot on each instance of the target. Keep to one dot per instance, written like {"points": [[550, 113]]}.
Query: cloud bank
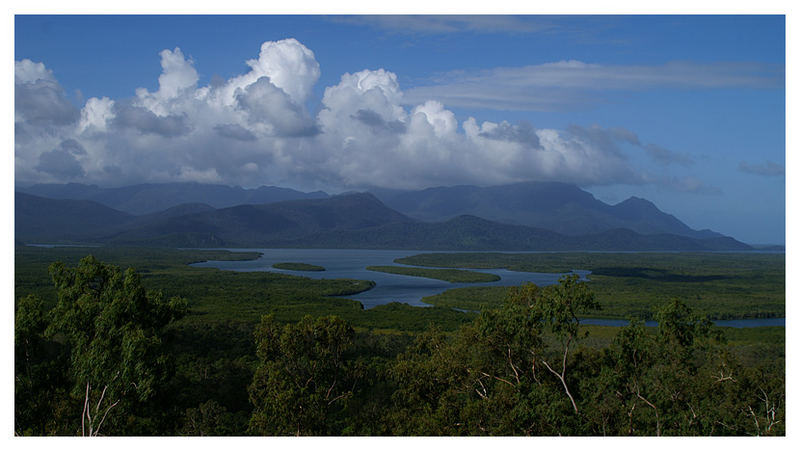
{"points": [[254, 129], [565, 84]]}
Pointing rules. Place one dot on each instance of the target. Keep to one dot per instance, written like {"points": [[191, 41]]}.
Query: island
{"points": [[298, 266], [448, 275]]}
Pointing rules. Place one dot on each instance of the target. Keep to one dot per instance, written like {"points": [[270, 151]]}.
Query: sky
{"points": [[685, 111]]}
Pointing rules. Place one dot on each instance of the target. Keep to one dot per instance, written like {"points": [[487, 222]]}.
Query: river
{"points": [[352, 263]]}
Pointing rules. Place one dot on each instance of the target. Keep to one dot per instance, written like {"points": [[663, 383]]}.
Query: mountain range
{"points": [[529, 216], [559, 207], [151, 198]]}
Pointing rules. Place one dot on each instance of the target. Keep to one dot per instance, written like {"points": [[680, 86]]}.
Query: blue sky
{"points": [[686, 111]]}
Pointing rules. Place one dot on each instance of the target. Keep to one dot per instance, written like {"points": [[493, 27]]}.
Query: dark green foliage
{"points": [[303, 380], [219, 296], [682, 380], [298, 267], [209, 419], [403, 317], [39, 373], [474, 299], [448, 275], [112, 328], [494, 377], [213, 362], [523, 366]]}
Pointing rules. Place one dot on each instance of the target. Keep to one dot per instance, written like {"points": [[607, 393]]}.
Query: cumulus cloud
{"points": [[253, 129], [432, 147], [610, 140], [96, 115], [61, 161], [38, 98], [27, 71], [767, 169], [145, 121], [270, 106], [374, 120], [288, 64], [235, 131], [523, 133]]}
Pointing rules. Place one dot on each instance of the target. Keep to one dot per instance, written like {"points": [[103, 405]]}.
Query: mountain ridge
{"points": [[146, 198], [357, 220], [556, 206]]}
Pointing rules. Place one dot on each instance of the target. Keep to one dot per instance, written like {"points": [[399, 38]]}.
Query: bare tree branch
{"points": [[85, 412], [658, 420], [97, 432], [564, 383]]}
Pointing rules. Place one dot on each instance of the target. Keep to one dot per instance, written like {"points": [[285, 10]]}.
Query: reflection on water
{"points": [[351, 264]]}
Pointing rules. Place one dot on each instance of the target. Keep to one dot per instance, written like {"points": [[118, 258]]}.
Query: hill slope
{"points": [[255, 225], [151, 198], [38, 219], [559, 207]]}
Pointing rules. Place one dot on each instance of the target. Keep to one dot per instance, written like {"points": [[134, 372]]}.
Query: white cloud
{"points": [[26, 71], [443, 121], [38, 98], [253, 129], [270, 109], [288, 64], [96, 115], [178, 77]]}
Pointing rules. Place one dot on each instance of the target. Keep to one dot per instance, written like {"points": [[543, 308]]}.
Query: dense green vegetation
{"points": [[298, 266], [720, 285], [469, 298], [170, 349], [216, 296], [448, 275]]}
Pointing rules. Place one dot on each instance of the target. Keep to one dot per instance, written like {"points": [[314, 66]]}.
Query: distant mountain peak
{"points": [[638, 205], [560, 207], [633, 200]]}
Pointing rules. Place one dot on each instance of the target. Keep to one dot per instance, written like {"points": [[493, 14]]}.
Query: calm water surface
{"points": [[351, 264]]}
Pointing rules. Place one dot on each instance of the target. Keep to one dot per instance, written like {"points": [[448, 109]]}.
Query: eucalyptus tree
{"points": [[38, 372], [112, 328], [303, 379], [506, 373]]}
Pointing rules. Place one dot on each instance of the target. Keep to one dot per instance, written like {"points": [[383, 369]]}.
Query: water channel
{"points": [[352, 263]]}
